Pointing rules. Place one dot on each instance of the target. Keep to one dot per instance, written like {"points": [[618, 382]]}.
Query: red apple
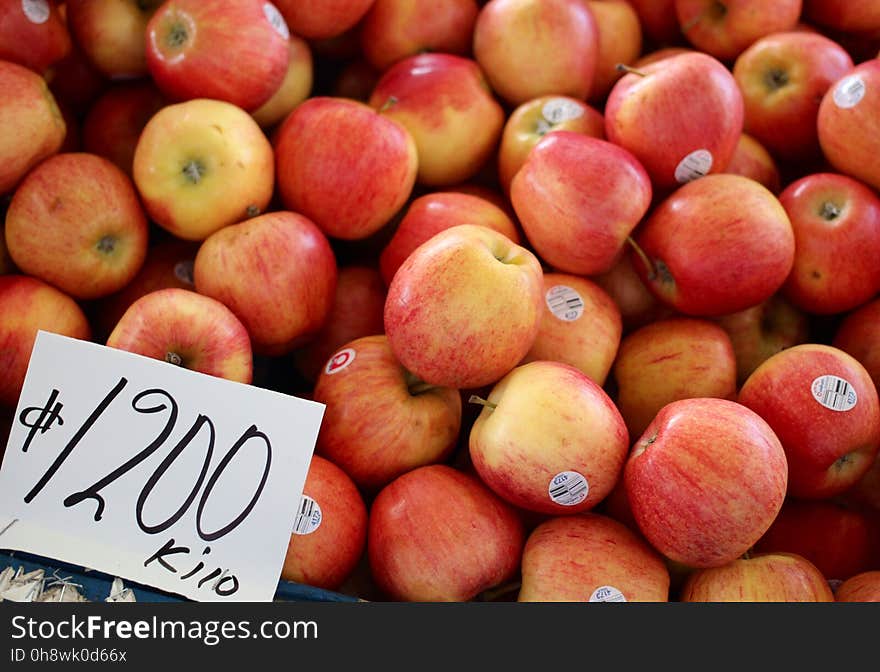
{"points": [[858, 335], [33, 34], [864, 587], [322, 19], [620, 41], [295, 87], [356, 80], [638, 306], [752, 160], [74, 81], [853, 16], [659, 21]]}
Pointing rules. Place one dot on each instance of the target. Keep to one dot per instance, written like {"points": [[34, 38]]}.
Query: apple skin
{"points": [[344, 166], [717, 245], [659, 21], [783, 78], [827, 450], [865, 494], [705, 481], [858, 334], [864, 587], [295, 87], [570, 558], [677, 106], [546, 420], [763, 577], [836, 223], [322, 19], [33, 35], [28, 305], [851, 16], [356, 80], [661, 54], [850, 135], [421, 549], [31, 126], [580, 326], [465, 307], [751, 159], [577, 199], [75, 221], [379, 421], [638, 306], [537, 66], [326, 555], [620, 41], [75, 82]]}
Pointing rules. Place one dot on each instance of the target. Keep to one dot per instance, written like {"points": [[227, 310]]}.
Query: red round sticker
{"points": [[339, 361]]}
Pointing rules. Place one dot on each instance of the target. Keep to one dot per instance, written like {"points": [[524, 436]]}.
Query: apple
{"points": [[531, 48], [852, 16], [620, 41], [344, 166], [6, 264], [590, 558], [671, 359], [638, 306], [717, 245], [74, 81], [444, 102], [465, 307], [705, 481], [659, 21], [864, 587], [201, 165], [578, 198], [660, 54], [29, 305], [436, 534], [836, 223], [186, 329], [31, 125], [393, 30], [857, 335], [330, 529], [235, 51], [681, 117], [762, 577], [751, 159], [865, 494], [33, 34], [548, 439], [75, 221], [437, 211], [322, 19], [580, 326], [294, 89], [822, 404], [534, 119], [356, 80]]}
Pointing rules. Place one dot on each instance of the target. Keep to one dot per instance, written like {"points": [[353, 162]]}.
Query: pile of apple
{"points": [[589, 288]]}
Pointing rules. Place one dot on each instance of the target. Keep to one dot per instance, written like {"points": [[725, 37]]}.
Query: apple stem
{"points": [[420, 387], [747, 555], [388, 103], [652, 272], [492, 594], [474, 399], [622, 67]]}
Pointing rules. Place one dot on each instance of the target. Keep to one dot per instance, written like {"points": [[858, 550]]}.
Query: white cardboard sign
{"points": [[154, 473]]}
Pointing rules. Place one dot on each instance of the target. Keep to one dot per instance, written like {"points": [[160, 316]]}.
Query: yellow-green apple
{"points": [[715, 246], [75, 221], [231, 50], [548, 439], [659, 21], [29, 305], [590, 558], [580, 326], [578, 198], [671, 359], [851, 16], [276, 272], [725, 28], [822, 404], [444, 102], [380, 421], [112, 33], [357, 311], [783, 78], [681, 117], [356, 80], [437, 211], [33, 33], [534, 119], [858, 334], [330, 529], [31, 125], [344, 166], [620, 41], [439, 535], [465, 307], [759, 332], [705, 481], [556, 48], [864, 587], [295, 87], [660, 54], [751, 159], [113, 124], [637, 305], [836, 223], [75, 81], [322, 19], [394, 29], [762, 577], [201, 165], [849, 123], [184, 328]]}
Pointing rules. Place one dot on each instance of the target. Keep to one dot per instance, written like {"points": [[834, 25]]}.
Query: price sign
{"points": [[154, 473]]}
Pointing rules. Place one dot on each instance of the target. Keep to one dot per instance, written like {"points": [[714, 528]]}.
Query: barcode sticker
{"points": [[559, 110], [274, 17], [36, 11], [565, 303], [834, 393], [607, 594], [849, 92], [308, 516], [568, 488], [695, 165]]}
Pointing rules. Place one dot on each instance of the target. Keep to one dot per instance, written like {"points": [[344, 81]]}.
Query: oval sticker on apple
{"points": [[695, 165], [834, 393], [308, 516], [565, 303], [568, 488], [849, 92], [559, 110], [339, 361], [607, 594], [274, 17], [36, 11]]}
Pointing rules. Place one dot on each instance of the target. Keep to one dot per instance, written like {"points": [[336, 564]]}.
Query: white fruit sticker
{"points": [[308, 516], [849, 92], [36, 11], [568, 488], [696, 164], [564, 302], [274, 17], [559, 110], [607, 594], [339, 361], [183, 271], [834, 392]]}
